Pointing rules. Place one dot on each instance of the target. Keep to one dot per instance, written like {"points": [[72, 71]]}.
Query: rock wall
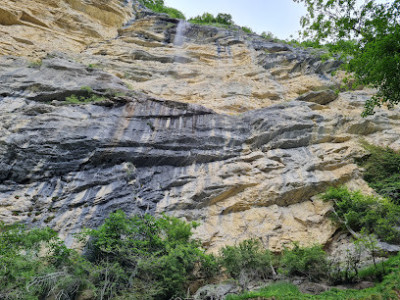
{"points": [[231, 130], [35, 27]]}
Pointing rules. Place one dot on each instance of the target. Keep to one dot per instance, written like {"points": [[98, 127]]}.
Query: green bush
{"points": [[88, 97], [172, 12], [357, 211], [387, 289], [247, 29], [304, 261], [141, 257], [159, 251], [158, 6], [382, 171], [152, 3], [25, 273], [248, 257], [209, 19]]}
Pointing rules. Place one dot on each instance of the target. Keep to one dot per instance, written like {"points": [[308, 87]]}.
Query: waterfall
{"points": [[180, 32], [133, 19]]}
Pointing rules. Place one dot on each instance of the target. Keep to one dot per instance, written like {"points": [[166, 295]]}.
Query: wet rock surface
{"points": [[197, 122]]}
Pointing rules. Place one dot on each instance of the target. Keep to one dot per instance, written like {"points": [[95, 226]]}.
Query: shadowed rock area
{"points": [[198, 122]]}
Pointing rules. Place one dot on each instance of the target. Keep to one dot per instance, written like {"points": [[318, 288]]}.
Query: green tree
{"points": [[152, 3], [374, 31], [247, 261], [382, 170], [224, 19], [304, 261], [207, 18], [154, 258], [356, 211]]}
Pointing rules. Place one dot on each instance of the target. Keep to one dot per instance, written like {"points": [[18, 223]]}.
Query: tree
{"points": [[372, 29], [152, 3], [207, 18], [224, 19]]}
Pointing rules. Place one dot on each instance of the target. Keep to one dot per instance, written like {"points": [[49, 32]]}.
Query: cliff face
{"points": [[228, 129], [35, 27]]}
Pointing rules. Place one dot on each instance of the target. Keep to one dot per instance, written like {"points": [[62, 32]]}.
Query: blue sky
{"points": [[281, 17]]}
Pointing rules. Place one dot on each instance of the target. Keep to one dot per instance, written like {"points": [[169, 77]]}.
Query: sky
{"points": [[280, 17]]}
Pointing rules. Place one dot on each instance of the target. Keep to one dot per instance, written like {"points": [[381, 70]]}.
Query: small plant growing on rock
{"points": [[247, 29], [35, 64], [91, 97]]}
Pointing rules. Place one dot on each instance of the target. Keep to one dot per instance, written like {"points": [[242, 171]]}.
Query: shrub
{"points": [[158, 6], [152, 3], [247, 261], [224, 19], [35, 64], [141, 257], [158, 251], [26, 274], [88, 97], [357, 211], [382, 171], [209, 19], [304, 261], [172, 12], [268, 36], [387, 289], [247, 29]]}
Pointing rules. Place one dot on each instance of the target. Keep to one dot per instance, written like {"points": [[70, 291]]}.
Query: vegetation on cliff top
{"points": [[210, 19], [364, 36], [373, 32], [159, 6]]}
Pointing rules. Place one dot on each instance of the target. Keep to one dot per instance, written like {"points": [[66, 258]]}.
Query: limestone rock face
{"points": [[197, 122], [35, 27], [227, 71]]}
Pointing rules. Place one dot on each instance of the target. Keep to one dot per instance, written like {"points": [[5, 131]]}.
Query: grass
{"points": [[74, 99], [89, 98], [275, 291], [35, 64], [389, 288], [170, 11]]}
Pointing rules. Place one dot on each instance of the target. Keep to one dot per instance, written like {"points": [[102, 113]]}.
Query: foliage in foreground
{"points": [[247, 262], [382, 171], [125, 258], [373, 214], [310, 262], [143, 257], [389, 288], [374, 31]]}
